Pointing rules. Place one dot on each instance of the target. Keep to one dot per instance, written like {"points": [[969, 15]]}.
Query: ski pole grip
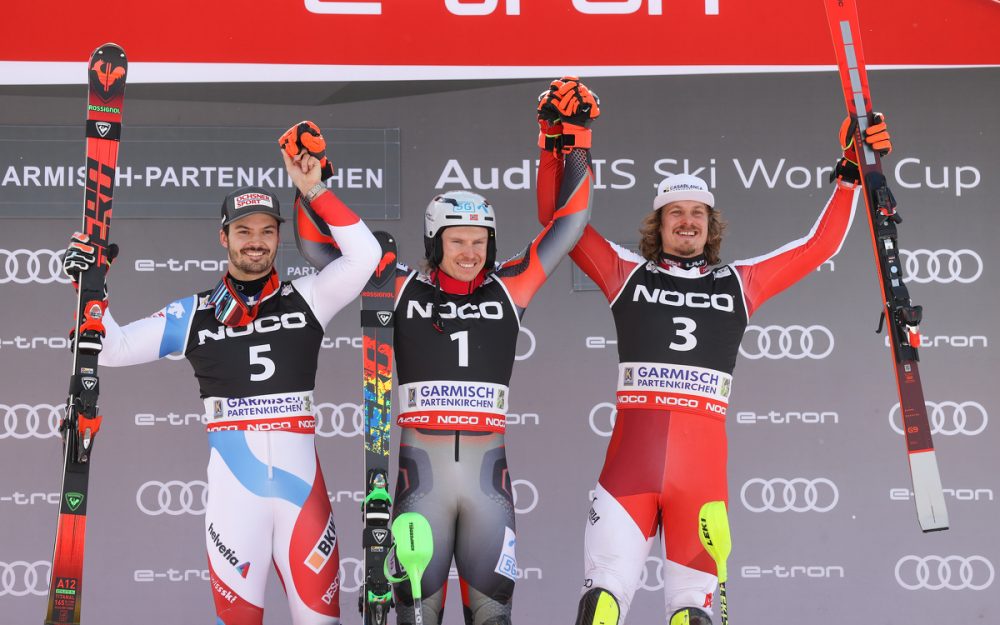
{"points": [[414, 544]]}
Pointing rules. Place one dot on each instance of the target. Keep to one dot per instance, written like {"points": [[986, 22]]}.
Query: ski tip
{"points": [[934, 520]]}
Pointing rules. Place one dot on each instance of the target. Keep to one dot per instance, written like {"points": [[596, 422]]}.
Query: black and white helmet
{"points": [[458, 208]]}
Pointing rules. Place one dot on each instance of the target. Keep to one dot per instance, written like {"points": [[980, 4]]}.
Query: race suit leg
{"points": [[695, 474], [459, 481], [267, 492], [421, 486], [485, 537], [653, 458], [306, 550]]}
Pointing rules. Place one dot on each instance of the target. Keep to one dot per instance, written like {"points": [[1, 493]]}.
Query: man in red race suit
{"points": [[679, 317]]}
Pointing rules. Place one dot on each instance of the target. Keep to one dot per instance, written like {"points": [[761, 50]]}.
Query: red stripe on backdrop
{"points": [[499, 32]]}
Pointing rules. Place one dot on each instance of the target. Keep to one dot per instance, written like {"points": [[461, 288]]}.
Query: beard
{"points": [[247, 265]]}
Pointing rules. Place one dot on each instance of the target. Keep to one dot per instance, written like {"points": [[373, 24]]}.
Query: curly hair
{"points": [[651, 244]]}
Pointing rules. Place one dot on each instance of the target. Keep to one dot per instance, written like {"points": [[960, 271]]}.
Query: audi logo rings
{"points": [[944, 572], [942, 266], [948, 418], [20, 578], [172, 498], [599, 423], [796, 495], [345, 420], [795, 342], [352, 574], [529, 489], [23, 266], [651, 576], [531, 344], [21, 421]]}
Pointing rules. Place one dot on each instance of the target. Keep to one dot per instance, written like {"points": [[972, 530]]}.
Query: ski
{"points": [[377, 301], [106, 78], [902, 317]]}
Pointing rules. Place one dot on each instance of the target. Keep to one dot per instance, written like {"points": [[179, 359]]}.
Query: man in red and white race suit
{"points": [[679, 321], [253, 342]]}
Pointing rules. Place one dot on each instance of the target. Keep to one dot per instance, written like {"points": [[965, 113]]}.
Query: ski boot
{"points": [[597, 607], [690, 616]]}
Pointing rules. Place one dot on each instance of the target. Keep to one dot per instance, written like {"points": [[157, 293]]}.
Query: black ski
{"points": [[902, 316], [377, 301], [106, 77]]}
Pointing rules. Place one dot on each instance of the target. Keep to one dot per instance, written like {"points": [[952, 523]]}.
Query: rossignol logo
{"points": [[384, 317], [74, 501], [102, 128], [450, 310], [104, 109], [262, 325], [324, 547]]}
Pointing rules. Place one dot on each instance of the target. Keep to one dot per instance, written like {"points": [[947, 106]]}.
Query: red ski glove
{"points": [[876, 136]]}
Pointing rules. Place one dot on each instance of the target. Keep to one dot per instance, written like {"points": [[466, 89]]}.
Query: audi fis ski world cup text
{"points": [[750, 173]]}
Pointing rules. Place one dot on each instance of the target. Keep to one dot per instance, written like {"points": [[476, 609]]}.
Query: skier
{"points": [[679, 324], [253, 342], [456, 330]]}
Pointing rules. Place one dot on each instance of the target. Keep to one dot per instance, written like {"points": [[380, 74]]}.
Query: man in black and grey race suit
{"points": [[253, 342], [456, 331]]}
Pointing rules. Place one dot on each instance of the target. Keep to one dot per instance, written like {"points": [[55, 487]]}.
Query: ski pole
{"points": [[713, 529], [414, 547]]}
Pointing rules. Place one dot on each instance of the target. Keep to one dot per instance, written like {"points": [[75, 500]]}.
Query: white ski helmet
{"points": [[458, 208]]}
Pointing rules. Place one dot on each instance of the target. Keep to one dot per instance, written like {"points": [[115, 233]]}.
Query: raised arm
{"points": [[604, 262], [765, 276], [570, 106], [328, 233]]}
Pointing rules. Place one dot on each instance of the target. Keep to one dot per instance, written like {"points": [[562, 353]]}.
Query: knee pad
{"points": [[598, 607], [690, 616]]}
